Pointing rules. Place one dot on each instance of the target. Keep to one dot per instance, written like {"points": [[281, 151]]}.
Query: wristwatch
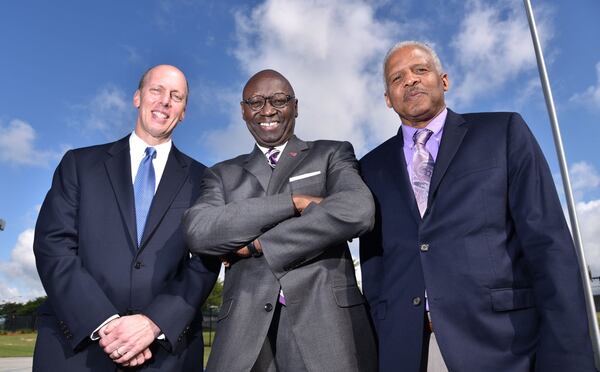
{"points": [[253, 251]]}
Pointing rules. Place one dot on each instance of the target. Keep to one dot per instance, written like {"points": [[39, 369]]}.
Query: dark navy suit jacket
{"points": [[493, 251], [90, 266]]}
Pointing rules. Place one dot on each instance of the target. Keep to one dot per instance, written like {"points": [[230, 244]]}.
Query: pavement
{"points": [[16, 364]]}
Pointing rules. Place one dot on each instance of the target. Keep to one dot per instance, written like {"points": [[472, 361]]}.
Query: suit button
{"points": [[268, 307], [138, 265], [416, 301], [424, 247]]}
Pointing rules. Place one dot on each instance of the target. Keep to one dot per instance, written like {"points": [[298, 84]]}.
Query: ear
{"points": [[445, 82], [296, 108], [136, 99], [182, 116], [387, 100]]}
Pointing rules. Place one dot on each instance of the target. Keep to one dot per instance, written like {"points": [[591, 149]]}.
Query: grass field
{"points": [[17, 345], [21, 345]]}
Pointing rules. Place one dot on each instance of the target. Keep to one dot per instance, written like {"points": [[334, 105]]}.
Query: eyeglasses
{"points": [[277, 100]]}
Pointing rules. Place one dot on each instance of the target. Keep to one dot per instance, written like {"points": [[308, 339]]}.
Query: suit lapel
{"points": [[256, 164], [399, 174], [292, 156], [118, 167], [454, 132], [171, 181]]}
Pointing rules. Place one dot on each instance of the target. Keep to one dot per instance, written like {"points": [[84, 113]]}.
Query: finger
{"points": [[115, 354], [147, 354], [124, 358], [134, 361], [140, 359]]}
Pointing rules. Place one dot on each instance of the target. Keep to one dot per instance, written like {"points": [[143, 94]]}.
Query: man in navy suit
{"points": [[123, 290], [470, 247]]}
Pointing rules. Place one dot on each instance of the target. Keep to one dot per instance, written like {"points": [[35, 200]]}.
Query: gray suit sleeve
{"points": [[346, 212], [215, 228]]}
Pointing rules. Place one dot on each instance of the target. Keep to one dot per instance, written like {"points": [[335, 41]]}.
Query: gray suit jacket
{"points": [[307, 256]]}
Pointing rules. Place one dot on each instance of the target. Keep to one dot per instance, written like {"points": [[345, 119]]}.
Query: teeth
{"points": [[160, 114], [271, 124]]}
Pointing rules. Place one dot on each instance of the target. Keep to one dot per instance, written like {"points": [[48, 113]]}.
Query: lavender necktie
{"points": [[143, 189], [273, 156], [422, 168]]}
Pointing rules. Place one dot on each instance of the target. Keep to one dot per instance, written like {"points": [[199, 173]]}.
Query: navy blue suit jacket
{"points": [[493, 251], [90, 266]]}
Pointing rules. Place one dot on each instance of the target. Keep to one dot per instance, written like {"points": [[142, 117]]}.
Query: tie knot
{"points": [[150, 152], [422, 136], [272, 156]]}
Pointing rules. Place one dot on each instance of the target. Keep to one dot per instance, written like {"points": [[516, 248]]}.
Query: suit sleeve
{"points": [[346, 212], [215, 228], [564, 342], [178, 304], [76, 298]]}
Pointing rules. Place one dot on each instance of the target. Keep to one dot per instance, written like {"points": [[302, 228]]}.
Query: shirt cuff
{"points": [[95, 336]]}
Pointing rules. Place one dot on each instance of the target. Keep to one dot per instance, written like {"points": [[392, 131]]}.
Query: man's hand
{"points": [[243, 252], [302, 201], [126, 339]]}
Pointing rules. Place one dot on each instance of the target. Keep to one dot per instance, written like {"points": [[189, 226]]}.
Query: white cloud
{"points": [[331, 52], [20, 279], [588, 214], [493, 46], [591, 96], [584, 177], [585, 181], [110, 112], [17, 145]]}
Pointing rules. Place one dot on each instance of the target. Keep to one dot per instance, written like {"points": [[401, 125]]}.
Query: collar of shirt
{"points": [[137, 151], [436, 126], [265, 149]]}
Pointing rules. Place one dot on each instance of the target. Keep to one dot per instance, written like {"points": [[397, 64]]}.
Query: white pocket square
{"points": [[303, 176]]}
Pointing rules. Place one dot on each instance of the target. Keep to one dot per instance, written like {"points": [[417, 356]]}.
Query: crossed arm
{"points": [[215, 226]]}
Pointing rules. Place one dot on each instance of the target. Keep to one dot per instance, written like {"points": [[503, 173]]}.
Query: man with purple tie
{"points": [[291, 302], [470, 266]]}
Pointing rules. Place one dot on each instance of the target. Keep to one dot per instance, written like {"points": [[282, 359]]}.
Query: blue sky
{"points": [[69, 70]]}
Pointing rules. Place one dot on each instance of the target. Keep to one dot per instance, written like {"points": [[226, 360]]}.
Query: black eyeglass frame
{"points": [[288, 98]]}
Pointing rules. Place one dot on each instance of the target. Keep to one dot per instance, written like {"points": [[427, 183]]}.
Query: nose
{"points": [[165, 99], [267, 109], [411, 79]]}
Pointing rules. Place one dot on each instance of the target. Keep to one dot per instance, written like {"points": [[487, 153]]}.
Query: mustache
{"points": [[409, 92]]}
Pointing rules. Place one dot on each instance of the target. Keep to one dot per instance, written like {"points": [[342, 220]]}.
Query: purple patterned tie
{"points": [[273, 156], [422, 168]]}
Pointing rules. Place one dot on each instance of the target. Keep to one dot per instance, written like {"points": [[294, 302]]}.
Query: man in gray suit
{"points": [[281, 216]]}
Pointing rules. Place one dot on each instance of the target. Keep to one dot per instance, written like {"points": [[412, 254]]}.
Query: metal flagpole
{"points": [[587, 288]]}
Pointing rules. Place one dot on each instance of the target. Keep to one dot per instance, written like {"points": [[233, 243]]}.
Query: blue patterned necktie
{"points": [[422, 168], [272, 156], [143, 188]]}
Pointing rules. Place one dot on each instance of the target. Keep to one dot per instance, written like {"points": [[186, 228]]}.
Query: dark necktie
{"points": [[422, 168], [272, 156], [143, 188]]}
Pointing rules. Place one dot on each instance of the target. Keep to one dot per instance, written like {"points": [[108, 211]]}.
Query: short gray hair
{"points": [[419, 44]]}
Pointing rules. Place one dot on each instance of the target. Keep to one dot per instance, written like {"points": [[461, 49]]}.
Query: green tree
{"points": [[27, 308]]}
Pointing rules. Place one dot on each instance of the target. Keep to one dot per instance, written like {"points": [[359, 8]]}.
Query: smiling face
{"points": [[161, 104], [414, 86], [270, 126]]}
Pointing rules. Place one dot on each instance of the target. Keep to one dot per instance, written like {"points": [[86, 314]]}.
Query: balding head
{"points": [[266, 74]]}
